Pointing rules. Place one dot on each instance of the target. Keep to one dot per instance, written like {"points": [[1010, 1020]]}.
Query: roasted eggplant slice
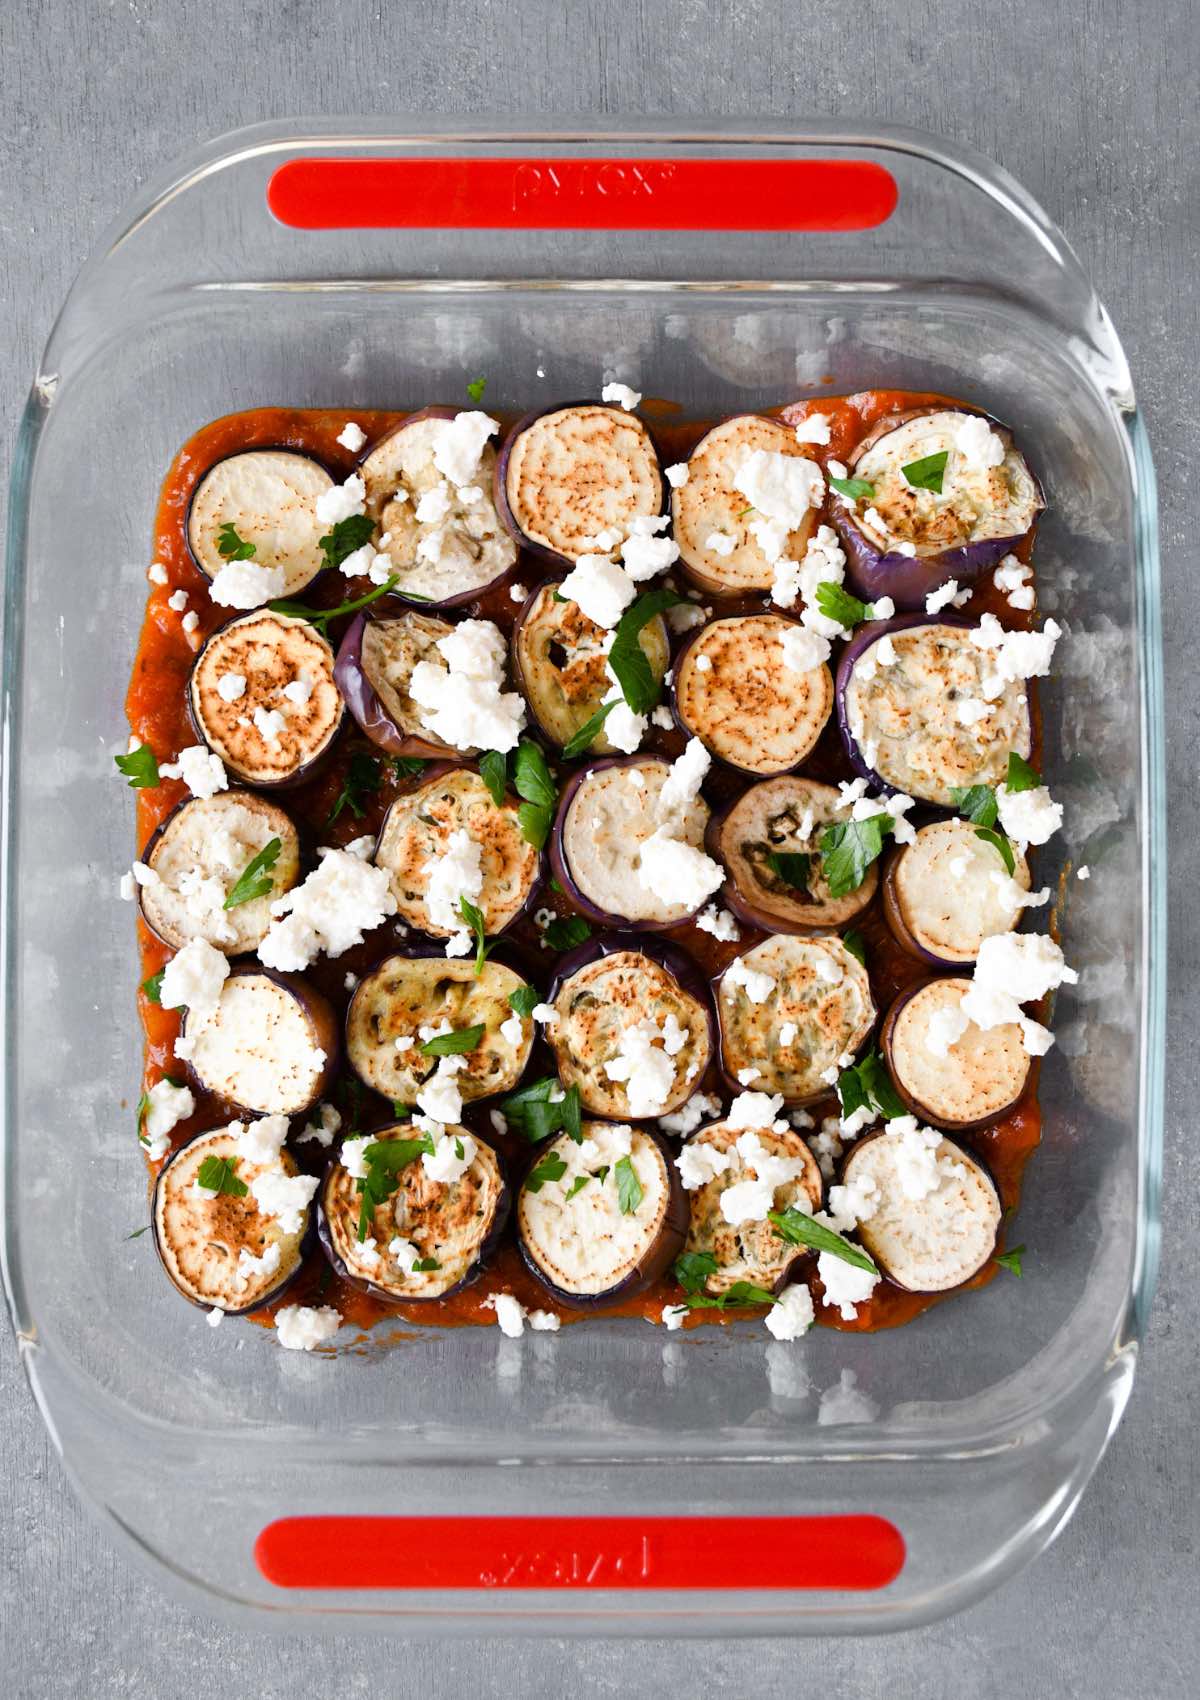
{"points": [[936, 1209], [197, 857], [559, 657], [632, 1026], [709, 505], [946, 893], [424, 829], [918, 722], [270, 1046], [429, 491], [748, 1249], [792, 1009], [950, 496], [269, 497], [430, 1236], [374, 669], [600, 1220], [769, 841], [947, 1070], [736, 693], [606, 814], [222, 1249], [567, 476], [262, 696], [408, 995]]}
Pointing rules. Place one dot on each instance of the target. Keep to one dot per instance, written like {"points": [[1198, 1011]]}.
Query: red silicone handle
{"points": [[582, 194], [842, 1553]]}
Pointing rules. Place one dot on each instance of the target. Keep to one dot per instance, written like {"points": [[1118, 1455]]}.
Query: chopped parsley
{"points": [[851, 488], [838, 604], [476, 388], [692, 1270], [255, 878], [493, 770], [848, 849], [976, 803], [408, 767], [791, 866], [347, 536], [529, 1110], [551, 1168], [454, 1044], [577, 1185], [927, 473], [231, 547], [320, 617], [474, 919], [139, 767], [219, 1175], [386, 1160], [1020, 776], [566, 931], [138, 1232], [856, 944], [152, 988], [533, 782], [1011, 1260], [361, 778], [798, 1229], [523, 1001], [588, 732], [999, 843], [627, 659], [629, 1188], [869, 1083], [424, 1265]]}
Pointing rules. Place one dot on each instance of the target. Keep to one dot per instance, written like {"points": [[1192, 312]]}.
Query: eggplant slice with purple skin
{"points": [[900, 722], [270, 1046], [929, 1243], [199, 1239], [407, 994], [760, 837], [569, 474], [601, 1220], [973, 1082], [429, 1237], [442, 534], [417, 830], [945, 893], [198, 855], [269, 497], [264, 736], [611, 985], [374, 669], [903, 540], [559, 659], [735, 692], [795, 1011], [751, 1251], [709, 505], [605, 814]]}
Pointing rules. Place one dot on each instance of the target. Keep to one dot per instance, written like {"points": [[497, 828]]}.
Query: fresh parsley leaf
{"points": [[219, 1175], [975, 803], [740, 1293], [577, 1185], [630, 667], [523, 1001], [231, 547], [423, 1265], [868, 1082], [567, 931], [401, 1112], [476, 388], [851, 488], [1020, 776], [533, 782], [1000, 843], [838, 604], [474, 919], [926, 473], [848, 849], [152, 988], [320, 617], [361, 778], [454, 1044], [798, 1229], [530, 1112], [407, 767], [139, 767], [588, 732], [347, 536], [692, 1269], [1011, 1260], [856, 944], [745, 1293], [629, 1188], [791, 866], [138, 1232], [551, 1168], [386, 1161], [535, 822], [745, 512], [255, 878], [493, 770]]}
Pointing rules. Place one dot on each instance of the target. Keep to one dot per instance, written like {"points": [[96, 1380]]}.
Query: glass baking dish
{"points": [[599, 1480]]}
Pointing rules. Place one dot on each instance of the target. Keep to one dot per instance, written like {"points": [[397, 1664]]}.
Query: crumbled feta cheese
{"points": [[434, 505], [845, 1286], [440, 1100], [328, 1121], [127, 888], [676, 872], [682, 784], [678, 475], [405, 1253], [194, 977], [510, 1313], [352, 436], [517, 593], [747, 1076], [672, 1317], [340, 901], [720, 923], [1015, 578], [300, 1327], [813, 429], [512, 1030], [1015, 655], [285, 1197], [1085, 873], [938, 599], [746, 1201], [1031, 817], [756, 984], [1014, 969], [754, 1109], [166, 1106], [824, 563], [455, 874], [298, 691], [881, 610], [543, 1321], [687, 1119], [190, 622], [261, 1141], [622, 395], [643, 557], [460, 443], [249, 1265], [684, 616], [157, 573], [600, 588], [178, 601], [201, 771], [646, 1070], [367, 1252], [342, 501], [403, 1042], [231, 686], [720, 543], [352, 1156], [624, 729], [465, 701], [269, 723], [803, 649], [792, 1314], [944, 1029], [698, 1163], [780, 487], [977, 445]]}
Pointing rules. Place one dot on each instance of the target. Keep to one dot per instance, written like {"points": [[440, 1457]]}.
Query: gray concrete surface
{"points": [[1091, 105]]}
